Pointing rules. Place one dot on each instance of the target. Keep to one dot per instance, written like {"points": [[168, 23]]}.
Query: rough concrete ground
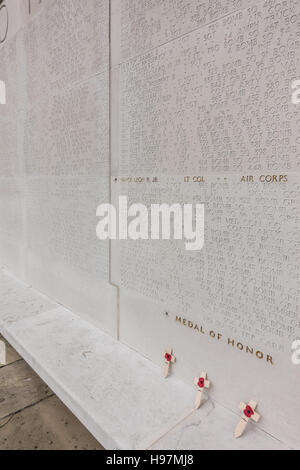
{"points": [[32, 417]]}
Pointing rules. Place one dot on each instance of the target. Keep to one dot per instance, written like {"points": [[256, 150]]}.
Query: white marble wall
{"points": [[11, 161], [55, 161], [204, 89], [185, 89]]}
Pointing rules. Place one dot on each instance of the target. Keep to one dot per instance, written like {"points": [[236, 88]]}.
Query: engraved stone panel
{"points": [[66, 155], [209, 117], [67, 133], [11, 133], [146, 24], [55, 138], [199, 110], [216, 100], [245, 279], [66, 43]]}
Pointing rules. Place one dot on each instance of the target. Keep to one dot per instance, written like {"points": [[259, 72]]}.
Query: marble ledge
{"points": [[117, 394], [120, 396]]}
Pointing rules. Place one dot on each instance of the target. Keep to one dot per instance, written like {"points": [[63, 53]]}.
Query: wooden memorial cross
{"points": [[201, 383], [249, 413], [169, 359], [2, 353]]}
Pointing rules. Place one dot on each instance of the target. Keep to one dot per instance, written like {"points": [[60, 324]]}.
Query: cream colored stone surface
{"points": [[198, 96]]}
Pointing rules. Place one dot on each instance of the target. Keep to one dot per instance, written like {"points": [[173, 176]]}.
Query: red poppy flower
{"points": [[168, 357], [201, 383], [248, 412]]}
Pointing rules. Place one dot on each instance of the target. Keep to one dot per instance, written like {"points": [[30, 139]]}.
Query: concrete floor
{"points": [[32, 417]]}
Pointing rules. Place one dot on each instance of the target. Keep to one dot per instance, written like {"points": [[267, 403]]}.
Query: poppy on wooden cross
{"points": [[248, 414], [169, 359], [2, 353], [201, 383]]}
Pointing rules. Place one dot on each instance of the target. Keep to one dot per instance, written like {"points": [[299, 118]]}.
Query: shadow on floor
{"points": [[32, 417]]}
